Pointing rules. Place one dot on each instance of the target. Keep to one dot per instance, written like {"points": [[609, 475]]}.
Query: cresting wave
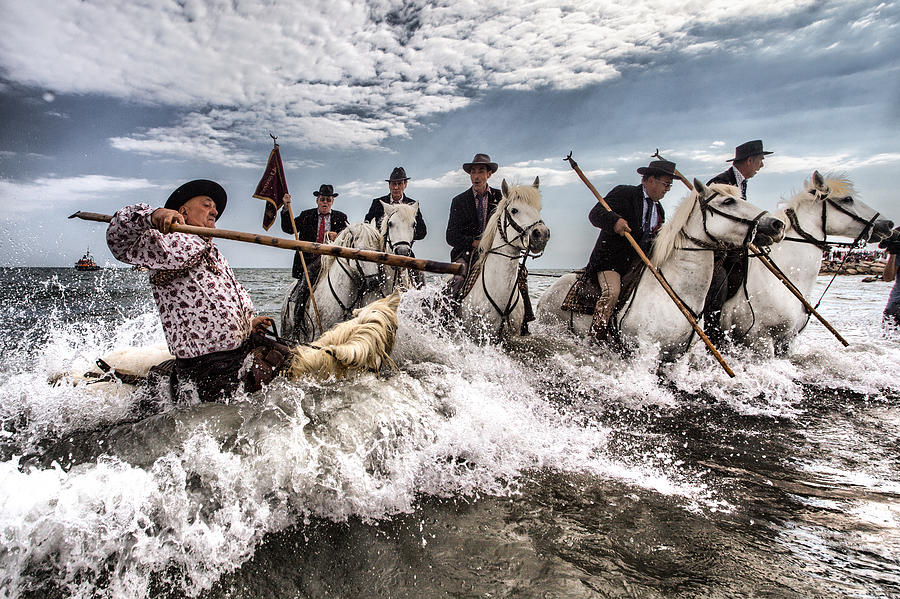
{"points": [[97, 504]]}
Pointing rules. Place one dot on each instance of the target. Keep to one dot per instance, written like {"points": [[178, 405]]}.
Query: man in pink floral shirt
{"points": [[206, 314]]}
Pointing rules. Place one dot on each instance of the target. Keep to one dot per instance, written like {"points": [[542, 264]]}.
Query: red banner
{"points": [[272, 187]]}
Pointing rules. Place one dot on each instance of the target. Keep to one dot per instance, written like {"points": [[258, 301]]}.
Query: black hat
{"points": [[398, 174], [481, 159], [326, 190], [748, 149], [658, 167], [198, 187]]}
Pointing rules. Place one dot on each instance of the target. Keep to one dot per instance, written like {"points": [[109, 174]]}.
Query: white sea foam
{"points": [[459, 418]]}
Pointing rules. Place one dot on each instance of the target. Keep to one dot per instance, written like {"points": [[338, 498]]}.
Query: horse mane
{"points": [[669, 237], [838, 184], [407, 212], [526, 193], [364, 342], [363, 235]]}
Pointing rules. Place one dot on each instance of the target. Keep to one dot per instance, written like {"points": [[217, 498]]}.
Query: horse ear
{"points": [[700, 187], [504, 188], [537, 182], [819, 182], [383, 204]]}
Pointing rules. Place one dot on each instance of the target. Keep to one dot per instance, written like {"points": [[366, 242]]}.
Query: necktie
{"points": [[744, 189], [481, 202], [648, 214], [320, 236]]}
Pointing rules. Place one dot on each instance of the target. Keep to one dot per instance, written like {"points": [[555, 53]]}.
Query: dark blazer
{"points": [[307, 228], [728, 178], [612, 251], [376, 212], [463, 226]]}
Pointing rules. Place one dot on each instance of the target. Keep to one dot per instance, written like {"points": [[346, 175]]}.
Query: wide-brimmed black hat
{"points": [[198, 187], [398, 174], [482, 160], [658, 167], [748, 149], [326, 190]]}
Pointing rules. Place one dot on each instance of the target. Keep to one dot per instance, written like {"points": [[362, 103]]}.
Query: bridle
{"points": [[523, 251], [717, 244], [823, 244]]}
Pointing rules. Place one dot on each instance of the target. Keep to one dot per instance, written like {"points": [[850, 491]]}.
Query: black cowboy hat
{"points": [[748, 149], [326, 190], [483, 160], [398, 174], [198, 187], [657, 168]]}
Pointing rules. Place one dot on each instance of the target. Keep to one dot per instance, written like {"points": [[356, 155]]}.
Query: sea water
{"points": [[548, 467]]}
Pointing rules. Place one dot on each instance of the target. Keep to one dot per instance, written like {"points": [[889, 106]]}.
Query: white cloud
{"points": [[346, 74], [63, 193]]}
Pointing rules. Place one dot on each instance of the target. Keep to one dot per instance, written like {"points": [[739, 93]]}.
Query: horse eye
{"points": [[847, 200], [728, 201], [514, 211]]}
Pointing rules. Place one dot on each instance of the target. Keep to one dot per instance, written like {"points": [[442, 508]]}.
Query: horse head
{"points": [[398, 227], [516, 222], [716, 217], [827, 206]]}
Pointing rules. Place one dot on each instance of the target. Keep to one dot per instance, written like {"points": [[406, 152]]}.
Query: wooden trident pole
{"points": [[665, 285], [773, 268], [452, 268]]}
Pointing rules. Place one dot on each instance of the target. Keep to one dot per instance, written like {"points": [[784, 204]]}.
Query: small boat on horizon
{"points": [[86, 262]]}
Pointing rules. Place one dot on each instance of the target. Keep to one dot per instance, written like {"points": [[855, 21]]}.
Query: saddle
{"points": [[585, 294]]}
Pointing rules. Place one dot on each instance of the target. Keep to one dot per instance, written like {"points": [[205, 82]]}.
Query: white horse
{"points": [[767, 316], [711, 218], [344, 284], [493, 305], [398, 227]]}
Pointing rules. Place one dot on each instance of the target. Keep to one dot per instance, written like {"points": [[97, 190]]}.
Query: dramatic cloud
{"points": [[348, 74]]}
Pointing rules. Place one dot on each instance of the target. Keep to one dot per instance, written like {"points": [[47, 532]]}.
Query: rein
{"points": [[358, 278], [823, 244]]}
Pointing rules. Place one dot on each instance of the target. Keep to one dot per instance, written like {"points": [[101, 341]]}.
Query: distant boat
{"points": [[86, 262]]}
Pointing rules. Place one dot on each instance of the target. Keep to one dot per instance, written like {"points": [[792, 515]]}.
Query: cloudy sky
{"points": [[105, 104]]}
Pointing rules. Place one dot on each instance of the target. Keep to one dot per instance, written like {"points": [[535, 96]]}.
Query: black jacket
{"points": [[307, 228], [376, 211], [612, 251], [463, 226], [728, 178]]}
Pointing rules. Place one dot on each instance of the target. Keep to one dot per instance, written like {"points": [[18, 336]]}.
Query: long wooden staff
{"points": [[773, 268], [656, 273], [312, 296], [452, 268]]}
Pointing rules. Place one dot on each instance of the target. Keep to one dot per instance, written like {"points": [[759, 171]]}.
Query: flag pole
{"points": [[312, 297]]}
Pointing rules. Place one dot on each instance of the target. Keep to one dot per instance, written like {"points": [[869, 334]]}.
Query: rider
{"points": [[397, 186], [469, 212], [206, 314], [397, 183], [320, 225], [635, 209], [730, 266]]}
